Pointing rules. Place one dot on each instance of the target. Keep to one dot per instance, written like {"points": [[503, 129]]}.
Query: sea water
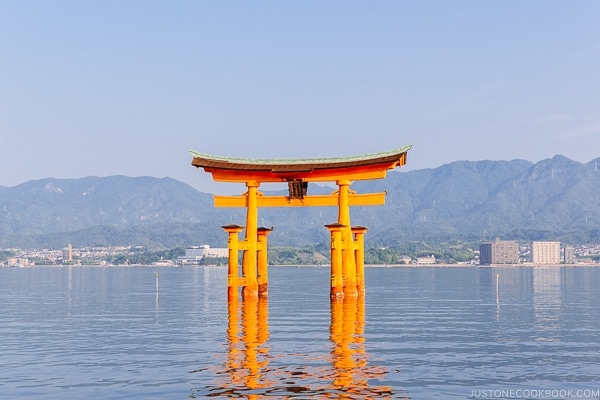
{"points": [[418, 333]]}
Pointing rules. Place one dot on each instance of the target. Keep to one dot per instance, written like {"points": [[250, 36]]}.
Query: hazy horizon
{"points": [[106, 88], [234, 188]]}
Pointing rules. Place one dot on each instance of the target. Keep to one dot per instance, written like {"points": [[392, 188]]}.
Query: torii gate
{"points": [[347, 242]]}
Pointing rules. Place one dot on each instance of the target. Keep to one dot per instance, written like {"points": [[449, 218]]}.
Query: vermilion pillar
{"points": [[263, 272], [249, 257], [348, 263], [359, 252], [233, 264], [337, 278]]}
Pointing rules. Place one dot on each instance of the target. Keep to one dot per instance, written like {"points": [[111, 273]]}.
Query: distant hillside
{"points": [[556, 198], [106, 211]]}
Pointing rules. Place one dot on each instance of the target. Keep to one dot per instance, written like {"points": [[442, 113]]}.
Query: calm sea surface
{"points": [[419, 333]]}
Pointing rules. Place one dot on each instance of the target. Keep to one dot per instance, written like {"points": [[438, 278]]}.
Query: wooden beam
{"points": [[328, 200], [369, 172]]}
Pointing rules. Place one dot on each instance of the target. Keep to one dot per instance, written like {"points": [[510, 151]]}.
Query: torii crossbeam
{"points": [[347, 244]]}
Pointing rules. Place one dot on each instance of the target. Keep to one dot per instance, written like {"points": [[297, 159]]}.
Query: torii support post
{"points": [[359, 252], [233, 264], [337, 275], [250, 289], [348, 257], [262, 260]]}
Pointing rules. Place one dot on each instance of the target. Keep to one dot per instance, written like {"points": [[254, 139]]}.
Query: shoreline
{"points": [[454, 265], [323, 266]]}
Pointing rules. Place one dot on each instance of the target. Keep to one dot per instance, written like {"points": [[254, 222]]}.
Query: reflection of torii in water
{"points": [[347, 246], [247, 373]]}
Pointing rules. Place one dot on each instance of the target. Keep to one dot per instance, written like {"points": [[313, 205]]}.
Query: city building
{"points": [[194, 254], [18, 262], [569, 255], [545, 252], [163, 263], [404, 260], [499, 252], [67, 253], [427, 260]]}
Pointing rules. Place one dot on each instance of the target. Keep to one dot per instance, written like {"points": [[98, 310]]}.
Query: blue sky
{"points": [[128, 87]]}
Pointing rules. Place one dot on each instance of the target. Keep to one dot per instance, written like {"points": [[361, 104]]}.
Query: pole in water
{"points": [[497, 277], [156, 275]]}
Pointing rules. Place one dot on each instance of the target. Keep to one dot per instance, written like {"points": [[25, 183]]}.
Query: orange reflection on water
{"points": [[247, 354], [351, 371], [344, 372]]}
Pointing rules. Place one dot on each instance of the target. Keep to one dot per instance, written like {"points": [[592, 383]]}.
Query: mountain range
{"points": [[554, 199]]}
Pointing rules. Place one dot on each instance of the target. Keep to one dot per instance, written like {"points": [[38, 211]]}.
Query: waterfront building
{"points": [[427, 260], [499, 252], [545, 252], [569, 255], [67, 253], [194, 254], [18, 262], [163, 263], [405, 260]]}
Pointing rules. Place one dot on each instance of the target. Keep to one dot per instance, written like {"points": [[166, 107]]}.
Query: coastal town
{"points": [[497, 252]]}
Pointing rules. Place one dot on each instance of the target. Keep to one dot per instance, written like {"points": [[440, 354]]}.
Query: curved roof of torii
{"points": [[367, 166]]}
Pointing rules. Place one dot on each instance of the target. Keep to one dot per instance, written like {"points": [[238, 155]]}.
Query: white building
{"points": [[428, 260], [19, 262], [163, 263], [545, 252], [194, 254]]}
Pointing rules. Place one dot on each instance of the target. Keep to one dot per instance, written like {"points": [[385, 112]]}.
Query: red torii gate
{"points": [[347, 242]]}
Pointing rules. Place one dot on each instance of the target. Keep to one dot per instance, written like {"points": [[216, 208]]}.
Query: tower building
{"points": [[499, 252]]}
